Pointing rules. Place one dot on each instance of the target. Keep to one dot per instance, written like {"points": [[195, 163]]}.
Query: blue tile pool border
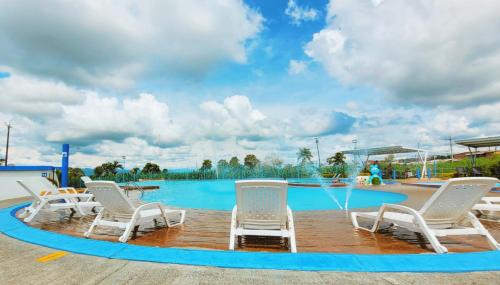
{"points": [[429, 262]]}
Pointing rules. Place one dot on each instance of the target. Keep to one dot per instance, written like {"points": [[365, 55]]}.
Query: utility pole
{"points": [[317, 148], [9, 126]]}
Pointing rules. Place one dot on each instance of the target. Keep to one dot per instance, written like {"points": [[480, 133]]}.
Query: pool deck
{"points": [[316, 231], [81, 269]]}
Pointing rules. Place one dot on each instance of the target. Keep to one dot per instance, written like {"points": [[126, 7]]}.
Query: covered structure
{"points": [[386, 150], [475, 143]]}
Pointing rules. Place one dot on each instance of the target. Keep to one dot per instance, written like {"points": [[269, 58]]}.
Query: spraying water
{"points": [[317, 175], [353, 171]]}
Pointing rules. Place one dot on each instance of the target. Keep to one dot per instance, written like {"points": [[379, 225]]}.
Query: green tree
{"points": [[98, 171], [304, 155], [234, 162], [206, 165], [222, 164], [275, 161], [107, 169], [135, 170], [337, 159], [389, 159], [151, 168], [251, 161], [75, 173]]}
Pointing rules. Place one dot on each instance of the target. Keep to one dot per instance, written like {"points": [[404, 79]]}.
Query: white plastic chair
{"points": [[261, 210], [118, 211], [53, 198], [441, 215], [489, 204]]}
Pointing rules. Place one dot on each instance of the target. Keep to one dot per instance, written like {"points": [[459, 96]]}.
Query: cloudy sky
{"points": [[176, 82]]}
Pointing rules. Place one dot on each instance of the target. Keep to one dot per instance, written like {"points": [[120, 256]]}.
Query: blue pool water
{"points": [[220, 195]]}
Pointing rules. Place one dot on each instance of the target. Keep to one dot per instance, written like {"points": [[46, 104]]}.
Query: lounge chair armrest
{"points": [[491, 200], [53, 197], [153, 205], [401, 208], [418, 217]]}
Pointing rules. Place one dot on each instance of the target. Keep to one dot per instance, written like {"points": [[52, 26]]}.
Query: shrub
{"points": [[376, 181], [495, 170]]}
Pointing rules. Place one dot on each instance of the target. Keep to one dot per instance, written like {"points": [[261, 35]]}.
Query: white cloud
{"points": [[296, 67], [103, 127], [111, 43], [300, 14], [425, 52], [235, 117], [26, 95], [106, 118]]}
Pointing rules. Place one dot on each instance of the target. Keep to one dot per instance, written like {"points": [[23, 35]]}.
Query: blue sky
{"points": [[178, 82]]}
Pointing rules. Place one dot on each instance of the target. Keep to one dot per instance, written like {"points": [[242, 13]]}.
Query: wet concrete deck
{"points": [[316, 231]]}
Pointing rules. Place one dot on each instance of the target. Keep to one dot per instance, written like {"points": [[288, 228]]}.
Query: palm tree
{"points": [[304, 155], [110, 168], [117, 165], [337, 159]]}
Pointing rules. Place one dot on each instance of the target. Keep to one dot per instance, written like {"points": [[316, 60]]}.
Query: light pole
{"points": [[124, 157], [9, 126], [317, 149]]}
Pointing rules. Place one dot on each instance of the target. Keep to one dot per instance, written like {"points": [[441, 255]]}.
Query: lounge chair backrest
{"points": [[47, 185], [32, 187], [86, 179], [453, 200], [37, 185], [111, 196], [262, 204]]}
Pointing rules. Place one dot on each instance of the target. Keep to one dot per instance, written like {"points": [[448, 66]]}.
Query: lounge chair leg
{"points": [[354, 220], [431, 237], [129, 227], [477, 224], [291, 229], [124, 237], [232, 234], [134, 233], [35, 212], [94, 223], [183, 216], [72, 213]]}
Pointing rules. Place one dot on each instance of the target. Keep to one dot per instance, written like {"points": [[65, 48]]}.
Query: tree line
{"points": [[271, 166]]}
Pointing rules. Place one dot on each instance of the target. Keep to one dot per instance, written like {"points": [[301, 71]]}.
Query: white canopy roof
{"points": [[383, 150], [480, 142]]}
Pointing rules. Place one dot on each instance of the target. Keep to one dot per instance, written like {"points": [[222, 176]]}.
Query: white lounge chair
{"points": [[441, 215], [261, 210], [48, 197], [86, 179], [489, 204], [119, 211]]}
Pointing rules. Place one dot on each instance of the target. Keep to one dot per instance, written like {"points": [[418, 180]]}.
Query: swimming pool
{"points": [[221, 195]]}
